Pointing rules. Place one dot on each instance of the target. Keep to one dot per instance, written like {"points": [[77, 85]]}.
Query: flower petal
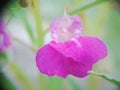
{"points": [[94, 49], [87, 50], [6, 40], [71, 49], [4, 37], [65, 28], [78, 69], [54, 27], [49, 61]]}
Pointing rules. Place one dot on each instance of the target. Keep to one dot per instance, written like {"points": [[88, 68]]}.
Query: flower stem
{"points": [[78, 10], [40, 36], [106, 77], [38, 22], [21, 77], [26, 45]]}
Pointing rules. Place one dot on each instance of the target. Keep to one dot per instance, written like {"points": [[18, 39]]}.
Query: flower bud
{"points": [[24, 3]]}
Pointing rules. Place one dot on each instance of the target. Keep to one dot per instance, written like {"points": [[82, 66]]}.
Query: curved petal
{"points": [[49, 61], [71, 49], [4, 37], [54, 27], [6, 40], [65, 28], [78, 69], [87, 50], [94, 49]]}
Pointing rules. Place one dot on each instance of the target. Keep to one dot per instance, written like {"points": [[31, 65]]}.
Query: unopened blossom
{"points": [[69, 52], [4, 37]]}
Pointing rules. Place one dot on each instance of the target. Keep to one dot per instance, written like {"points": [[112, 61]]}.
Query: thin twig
{"points": [[26, 45]]}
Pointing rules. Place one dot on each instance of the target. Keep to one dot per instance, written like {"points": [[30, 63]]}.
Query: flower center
{"points": [[68, 28]]}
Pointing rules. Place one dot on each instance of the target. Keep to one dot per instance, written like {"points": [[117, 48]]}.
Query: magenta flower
{"points": [[4, 37], [69, 52]]}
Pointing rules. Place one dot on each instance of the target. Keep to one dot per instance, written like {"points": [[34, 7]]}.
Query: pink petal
{"points": [[77, 18], [49, 61], [54, 27], [87, 50], [76, 24], [70, 49], [4, 37], [78, 69], [65, 28], [94, 49], [6, 40]]}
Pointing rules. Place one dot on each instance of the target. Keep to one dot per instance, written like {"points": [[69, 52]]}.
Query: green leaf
{"points": [[79, 9], [106, 77]]}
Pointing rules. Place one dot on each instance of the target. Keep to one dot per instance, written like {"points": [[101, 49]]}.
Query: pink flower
{"points": [[4, 37], [69, 52]]}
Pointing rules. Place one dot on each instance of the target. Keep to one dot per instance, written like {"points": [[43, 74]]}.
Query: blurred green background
{"points": [[28, 22]]}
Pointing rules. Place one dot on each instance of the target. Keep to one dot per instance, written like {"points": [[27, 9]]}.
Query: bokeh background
{"points": [[28, 21]]}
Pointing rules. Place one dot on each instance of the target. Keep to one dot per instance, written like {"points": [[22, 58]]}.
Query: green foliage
{"points": [[21, 77], [113, 35], [3, 56], [106, 77], [5, 83], [55, 83], [79, 9]]}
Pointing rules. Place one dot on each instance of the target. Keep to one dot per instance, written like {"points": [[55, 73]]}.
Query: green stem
{"points": [[9, 19], [21, 77], [76, 11], [26, 45], [42, 85], [93, 83], [38, 22], [106, 77], [40, 36], [22, 15], [28, 29]]}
